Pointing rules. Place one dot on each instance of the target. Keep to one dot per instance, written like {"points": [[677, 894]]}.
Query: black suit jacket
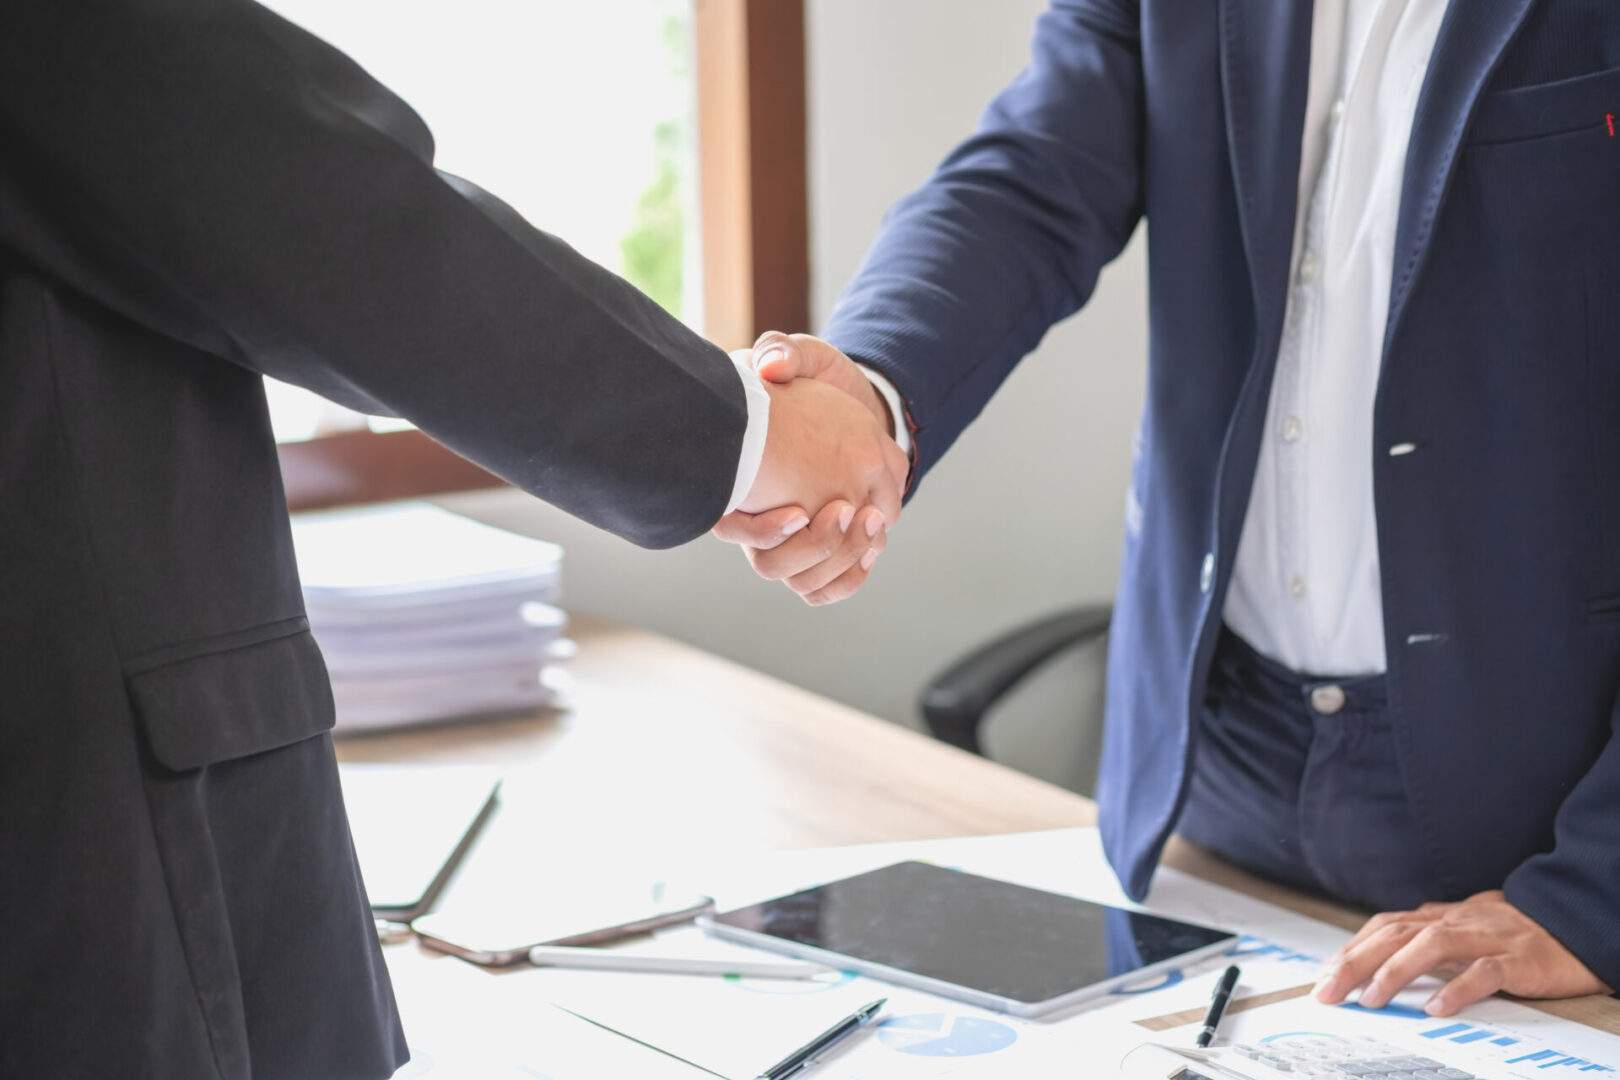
{"points": [[194, 193]]}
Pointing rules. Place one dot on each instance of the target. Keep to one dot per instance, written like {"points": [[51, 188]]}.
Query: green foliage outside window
{"points": [[653, 249]]}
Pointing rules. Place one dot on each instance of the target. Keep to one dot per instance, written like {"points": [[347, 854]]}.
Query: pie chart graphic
{"points": [[943, 1035]]}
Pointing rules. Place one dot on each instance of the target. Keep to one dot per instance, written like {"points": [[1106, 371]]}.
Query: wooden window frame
{"points": [[752, 168]]}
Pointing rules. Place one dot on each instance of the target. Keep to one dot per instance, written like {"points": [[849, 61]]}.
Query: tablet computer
{"points": [[990, 943]]}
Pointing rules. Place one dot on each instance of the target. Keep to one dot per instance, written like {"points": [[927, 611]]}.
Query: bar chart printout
{"points": [[1494, 1040]]}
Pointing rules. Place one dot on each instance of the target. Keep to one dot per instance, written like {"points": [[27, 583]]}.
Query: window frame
{"points": [[753, 199]]}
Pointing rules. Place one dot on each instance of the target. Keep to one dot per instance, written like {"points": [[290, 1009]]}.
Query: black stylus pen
{"points": [[804, 1055], [1217, 1005]]}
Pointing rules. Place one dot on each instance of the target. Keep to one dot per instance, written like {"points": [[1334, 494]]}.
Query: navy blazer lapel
{"points": [[1265, 72], [1472, 39]]}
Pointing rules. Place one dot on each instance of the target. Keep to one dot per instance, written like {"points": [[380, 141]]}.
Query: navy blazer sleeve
{"points": [[1008, 236], [1572, 891], [210, 171]]}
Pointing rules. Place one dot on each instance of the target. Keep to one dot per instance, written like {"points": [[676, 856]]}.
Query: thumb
{"points": [[781, 359]]}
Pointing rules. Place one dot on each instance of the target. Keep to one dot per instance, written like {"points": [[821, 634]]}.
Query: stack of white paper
{"points": [[426, 615]]}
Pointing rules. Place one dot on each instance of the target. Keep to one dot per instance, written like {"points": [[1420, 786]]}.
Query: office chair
{"points": [[955, 701]]}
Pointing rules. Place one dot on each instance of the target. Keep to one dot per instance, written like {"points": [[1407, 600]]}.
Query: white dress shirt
{"points": [[759, 418], [1305, 589]]}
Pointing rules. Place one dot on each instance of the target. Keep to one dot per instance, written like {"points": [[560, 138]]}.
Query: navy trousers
{"points": [[1296, 779]]}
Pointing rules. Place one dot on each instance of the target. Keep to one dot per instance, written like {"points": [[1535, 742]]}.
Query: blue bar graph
{"points": [[1472, 1036], [1452, 1029]]}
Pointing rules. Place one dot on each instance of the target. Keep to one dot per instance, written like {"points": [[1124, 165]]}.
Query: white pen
{"points": [[625, 960]]}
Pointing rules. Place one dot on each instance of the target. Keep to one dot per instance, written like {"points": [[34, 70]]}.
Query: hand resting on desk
{"points": [[1490, 944]]}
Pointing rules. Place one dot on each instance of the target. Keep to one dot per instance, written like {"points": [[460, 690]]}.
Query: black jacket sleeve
{"points": [[209, 170]]}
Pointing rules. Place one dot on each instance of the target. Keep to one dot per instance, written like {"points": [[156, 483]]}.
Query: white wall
{"points": [[1021, 518]]}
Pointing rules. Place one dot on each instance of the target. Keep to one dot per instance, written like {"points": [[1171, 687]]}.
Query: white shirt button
{"points": [[1337, 111], [1293, 429], [1206, 573], [1308, 267], [1296, 587]]}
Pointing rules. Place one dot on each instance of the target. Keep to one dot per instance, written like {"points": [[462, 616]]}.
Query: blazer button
{"points": [[1327, 700], [1206, 573]]}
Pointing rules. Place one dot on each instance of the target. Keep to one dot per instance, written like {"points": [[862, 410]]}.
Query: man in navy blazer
{"points": [[1468, 757]]}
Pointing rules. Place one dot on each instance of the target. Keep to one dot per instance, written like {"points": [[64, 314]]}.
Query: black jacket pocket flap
{"points": [[230, 704]]}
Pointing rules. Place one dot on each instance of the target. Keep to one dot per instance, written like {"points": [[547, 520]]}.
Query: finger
{"points": [[1381, 922], [779, 358], [884, 501], [856, 542], [812, 546], [1358, 963], [764, 530], [850, 581], [1478, 981], [886, 484], [1432, 947]]}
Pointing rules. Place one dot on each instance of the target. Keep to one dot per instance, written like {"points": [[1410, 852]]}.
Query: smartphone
{"points": [[496, 934]]}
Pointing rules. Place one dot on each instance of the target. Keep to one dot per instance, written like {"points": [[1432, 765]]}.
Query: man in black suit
{"points": [[194, 193]]}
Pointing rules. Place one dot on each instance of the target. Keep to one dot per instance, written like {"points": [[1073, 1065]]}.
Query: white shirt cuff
{"points": [[897, 408], [753, 445]]}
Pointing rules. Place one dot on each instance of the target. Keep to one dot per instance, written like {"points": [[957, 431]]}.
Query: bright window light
{"points": [[577, 114]]}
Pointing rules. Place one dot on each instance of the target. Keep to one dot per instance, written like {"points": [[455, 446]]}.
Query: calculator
{"points": [[1309, 1057]]}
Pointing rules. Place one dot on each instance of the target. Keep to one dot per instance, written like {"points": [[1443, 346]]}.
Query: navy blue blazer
{"points": [[1499, 535]]}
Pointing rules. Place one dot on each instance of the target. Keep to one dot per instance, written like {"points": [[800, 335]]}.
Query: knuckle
{"points": [[856, 541], [1438, 936], [837, 591], [810, 581], [774, 565], [770, 571]]}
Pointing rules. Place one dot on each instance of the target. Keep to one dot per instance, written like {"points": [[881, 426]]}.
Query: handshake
{"points": [[830, 482]]}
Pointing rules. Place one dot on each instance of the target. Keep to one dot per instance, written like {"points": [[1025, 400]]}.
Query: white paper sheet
{"points": [[735, 1028], [1496, 1039], [923, 1035]]}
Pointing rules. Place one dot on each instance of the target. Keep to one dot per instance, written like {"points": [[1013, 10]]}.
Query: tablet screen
{"points": [[992, 936]]}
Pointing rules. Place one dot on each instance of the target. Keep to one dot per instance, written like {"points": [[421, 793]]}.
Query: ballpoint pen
{"points": [[802, 1057], [623, 960], [1217, 1005]]}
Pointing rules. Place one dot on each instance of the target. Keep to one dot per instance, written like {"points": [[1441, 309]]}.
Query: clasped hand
{"points": [[830, 483]]}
